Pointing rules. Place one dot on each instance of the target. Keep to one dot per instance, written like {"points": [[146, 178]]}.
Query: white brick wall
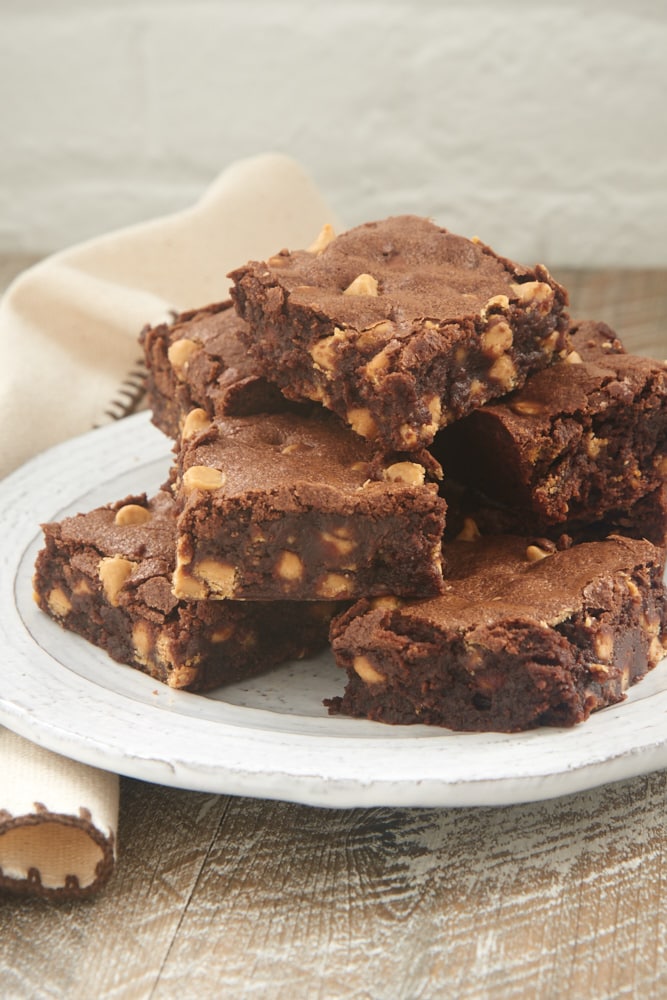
{"points": [[539, 125]]}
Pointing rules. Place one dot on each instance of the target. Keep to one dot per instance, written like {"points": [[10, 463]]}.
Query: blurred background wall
{"points": [[539, 126]]}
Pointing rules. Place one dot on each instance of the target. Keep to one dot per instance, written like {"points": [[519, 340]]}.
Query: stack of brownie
{"points": [[395, 442]]}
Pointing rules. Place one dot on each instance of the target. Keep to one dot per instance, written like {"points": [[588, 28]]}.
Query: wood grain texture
{"points": [[247, 898], [634, 303], [237, 898], [419, 903]]}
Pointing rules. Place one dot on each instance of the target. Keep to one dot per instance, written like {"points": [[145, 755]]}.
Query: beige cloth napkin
{"points": [[68, 339]]}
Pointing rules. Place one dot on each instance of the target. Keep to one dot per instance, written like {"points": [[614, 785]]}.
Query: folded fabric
{"points": [[57, 821], [69, 340], [69, 325]]}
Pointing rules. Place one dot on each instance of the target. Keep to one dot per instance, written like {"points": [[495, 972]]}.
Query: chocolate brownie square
{"points": [[521, 637], [106, 575], [399, 326], [583, 442], [288, 506], [199, 360]]}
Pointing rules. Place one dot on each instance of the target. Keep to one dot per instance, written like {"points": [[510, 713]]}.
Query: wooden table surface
{"points": [[223, 897]]}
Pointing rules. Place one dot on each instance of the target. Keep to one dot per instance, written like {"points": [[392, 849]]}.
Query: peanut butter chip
{"points": [[197, 420], [373, 338], [409, 473], [408, 436], [503, 371], [363, 284], [179, 355], [378, 366], [594, 445], [334, 586], [469, 532], [604, 646], [59, 603], [476, 388], [434, 405], [203, 477], [289, 566], [497, 302], [324, 238], [534, 293], [527, 408], [222, 634], [549, 344], [656, 651], [182, 675], [142, 642], [361, 421], [497, 339], [186, 586], [387, 601], [534, 553], [323, 353], [598, 668], [220, 576], [341, 543], [365, 669], [113, 572], [130, 514]]}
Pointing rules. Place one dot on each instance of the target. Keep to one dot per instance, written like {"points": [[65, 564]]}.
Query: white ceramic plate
{"points": [[270, 737]]}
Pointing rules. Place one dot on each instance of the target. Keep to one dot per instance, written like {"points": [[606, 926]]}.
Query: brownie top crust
{"points": [[217, 327], [574, 387], [120, 528], [282, 450], [506, 578], [214, 327], [204, 342], [422, 271]]}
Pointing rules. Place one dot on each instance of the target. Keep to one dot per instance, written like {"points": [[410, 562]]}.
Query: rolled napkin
{"points": [[58, 821], [73, 321]]}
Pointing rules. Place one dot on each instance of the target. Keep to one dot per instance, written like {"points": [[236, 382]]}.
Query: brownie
{"points": [[106, 575], [593, 340], [200, 361], [583, 441], [399, 326], [521, 638], [470, 511], [288, 506]]}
